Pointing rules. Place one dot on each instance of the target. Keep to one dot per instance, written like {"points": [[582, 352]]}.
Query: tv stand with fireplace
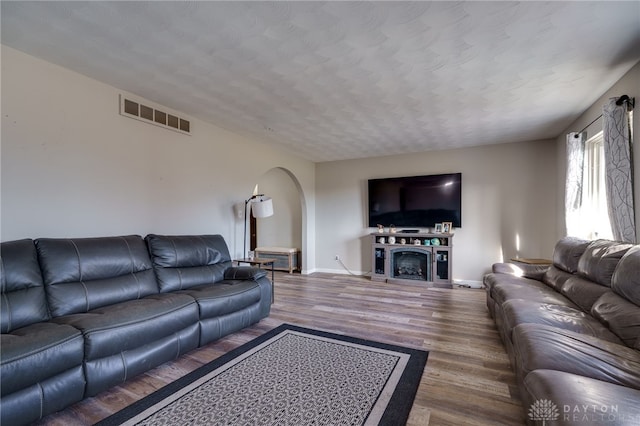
{"points": [[414, 260]]}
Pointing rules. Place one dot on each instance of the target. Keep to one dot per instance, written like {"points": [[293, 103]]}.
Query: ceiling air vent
{"points": [[138, 110]]}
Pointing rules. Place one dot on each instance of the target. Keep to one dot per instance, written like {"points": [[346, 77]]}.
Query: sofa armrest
{"points": [[535, 272], [519, 269], [507, 268], [244, 273]]}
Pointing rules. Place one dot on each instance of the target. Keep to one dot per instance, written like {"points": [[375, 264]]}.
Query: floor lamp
{"points": [[261, 206]]}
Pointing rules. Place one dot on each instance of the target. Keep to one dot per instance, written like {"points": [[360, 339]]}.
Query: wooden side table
{"points": [[260, 262]]}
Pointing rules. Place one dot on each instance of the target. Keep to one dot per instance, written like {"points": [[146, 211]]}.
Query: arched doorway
{"points": [[287, 226]]}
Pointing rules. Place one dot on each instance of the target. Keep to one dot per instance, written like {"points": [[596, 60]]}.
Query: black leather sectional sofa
{"points": [[572, 332], [79, 316]]}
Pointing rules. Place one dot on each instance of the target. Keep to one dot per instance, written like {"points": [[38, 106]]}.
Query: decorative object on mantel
{"points": [[403, 241], [435, 241], [438, 227], [381, 240], [392, 229], [447, 227], [392, 240], [380, 228], [417, 242], [427, 242]]}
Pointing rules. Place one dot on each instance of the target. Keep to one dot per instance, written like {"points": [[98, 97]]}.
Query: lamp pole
{"points": [[244, 240], [263, 208]]}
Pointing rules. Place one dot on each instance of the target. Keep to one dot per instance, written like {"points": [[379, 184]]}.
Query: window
{"points": [[593, 214]]}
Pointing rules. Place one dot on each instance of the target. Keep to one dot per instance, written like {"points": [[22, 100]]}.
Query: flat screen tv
{"points": [[416, 201]]}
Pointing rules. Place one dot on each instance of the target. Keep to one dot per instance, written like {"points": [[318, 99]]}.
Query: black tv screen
{"points": [[416, 201]]}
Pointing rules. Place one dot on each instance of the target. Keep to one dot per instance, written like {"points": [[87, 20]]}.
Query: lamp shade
{"points": [[262, 207]]}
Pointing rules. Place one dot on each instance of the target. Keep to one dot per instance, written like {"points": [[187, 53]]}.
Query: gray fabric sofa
{"points": [[81, 315], [572, 332]]}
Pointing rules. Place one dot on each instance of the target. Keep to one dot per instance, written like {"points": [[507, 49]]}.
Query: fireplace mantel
{"points": [[411, 257]]}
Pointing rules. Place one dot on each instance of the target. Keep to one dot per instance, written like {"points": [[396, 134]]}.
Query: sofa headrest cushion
{"points": [[583, 292], [82, 274], [567, 253], [179, 251], [600, 259], [186, 261], [23, 299], [555, 277], [626, 278]]}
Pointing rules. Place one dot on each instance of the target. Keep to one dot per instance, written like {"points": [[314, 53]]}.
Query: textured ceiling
{"points": [[339, 80]]}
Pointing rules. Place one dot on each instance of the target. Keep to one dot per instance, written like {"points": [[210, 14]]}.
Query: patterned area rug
{"points": [[290, 376]]}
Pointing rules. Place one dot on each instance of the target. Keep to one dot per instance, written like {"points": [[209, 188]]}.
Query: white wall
{"points": [[73, 167], [509, 195], [629, 85]]}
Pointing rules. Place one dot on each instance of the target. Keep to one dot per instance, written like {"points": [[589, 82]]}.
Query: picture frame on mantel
{"points": [[447, 227], [438, 227]]}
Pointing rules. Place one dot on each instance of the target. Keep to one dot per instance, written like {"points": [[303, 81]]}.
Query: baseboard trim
{"points": [[468, 283], [456, 282], [341, 272]]}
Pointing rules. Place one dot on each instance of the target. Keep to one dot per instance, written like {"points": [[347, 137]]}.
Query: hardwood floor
{"points": [[467, 380]]}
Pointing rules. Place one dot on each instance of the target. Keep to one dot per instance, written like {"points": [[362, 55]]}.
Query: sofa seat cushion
{"points": [[544, 347], [519, 311], [532, 290], [128, 325], [224, 297], [620, 315], [581, 400], [37, 352]]}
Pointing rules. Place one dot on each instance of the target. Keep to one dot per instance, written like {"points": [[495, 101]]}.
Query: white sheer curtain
{"points": [[573, 187], [595, 214], [619, 170], [586, 210]]}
